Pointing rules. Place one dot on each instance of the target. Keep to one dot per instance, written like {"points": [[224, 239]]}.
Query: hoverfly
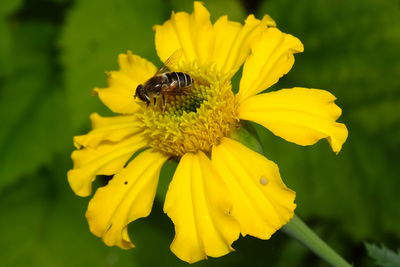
{"points": [[165, 83]]}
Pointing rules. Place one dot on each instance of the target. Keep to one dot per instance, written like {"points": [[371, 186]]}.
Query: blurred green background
{"points": [[53, 52]]}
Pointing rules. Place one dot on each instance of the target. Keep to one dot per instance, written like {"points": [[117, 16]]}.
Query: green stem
{"points": [[298, 230]]}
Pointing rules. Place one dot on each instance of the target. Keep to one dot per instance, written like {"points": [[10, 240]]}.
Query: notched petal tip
{"points": [[266, 20], [200, 9], [269, 21]]}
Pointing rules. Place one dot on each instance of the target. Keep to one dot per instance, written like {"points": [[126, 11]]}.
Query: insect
{"points": [[164, 83]]}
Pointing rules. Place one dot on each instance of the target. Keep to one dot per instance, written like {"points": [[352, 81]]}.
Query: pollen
{"points": [[194, 121]]}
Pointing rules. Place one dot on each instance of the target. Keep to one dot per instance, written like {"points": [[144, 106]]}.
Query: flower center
{"points": [[193, 121]]}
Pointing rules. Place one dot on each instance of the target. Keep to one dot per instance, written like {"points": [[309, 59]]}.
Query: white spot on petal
{"points": [[263, 180]]}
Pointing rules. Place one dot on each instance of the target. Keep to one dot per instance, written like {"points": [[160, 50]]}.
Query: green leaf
{"points": [[23, 207], [96, 31], [383, 256], [7, 8], [43, 224], [34, 118]]}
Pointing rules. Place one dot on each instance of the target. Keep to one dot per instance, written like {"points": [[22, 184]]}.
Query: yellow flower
{"points": [[221, 188]]}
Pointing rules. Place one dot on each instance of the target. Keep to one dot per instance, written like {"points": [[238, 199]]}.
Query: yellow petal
{"points": [[128, 196], [271, 57], [193, 33], [261, 202], [106, 159], [299, 115], [199, 204], [233, 41], [107, 129], [119, 95]]}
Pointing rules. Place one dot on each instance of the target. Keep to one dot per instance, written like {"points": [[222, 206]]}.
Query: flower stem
{"points": [[298, 230]]}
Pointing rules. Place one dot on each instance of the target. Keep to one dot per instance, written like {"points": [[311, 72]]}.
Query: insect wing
{"points": [[172, 61]]}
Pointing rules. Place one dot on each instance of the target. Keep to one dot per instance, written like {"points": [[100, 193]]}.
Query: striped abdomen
{"points": [[181, 79]]}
